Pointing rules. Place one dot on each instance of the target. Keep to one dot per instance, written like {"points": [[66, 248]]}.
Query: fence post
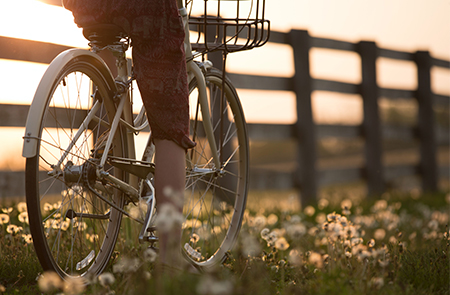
{"points": [[426, 132], [306, 175], [371, 123]]}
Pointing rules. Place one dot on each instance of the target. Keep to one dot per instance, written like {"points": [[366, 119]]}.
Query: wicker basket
{"points": [[227, 25]]}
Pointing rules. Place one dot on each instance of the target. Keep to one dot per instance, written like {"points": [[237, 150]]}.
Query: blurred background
{"points": [[401, 26]]}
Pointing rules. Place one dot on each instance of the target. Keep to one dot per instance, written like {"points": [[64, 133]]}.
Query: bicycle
{"points": [[81, 166]]}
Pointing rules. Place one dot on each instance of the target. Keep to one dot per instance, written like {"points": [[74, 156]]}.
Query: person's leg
{"points": [[169, 189]]}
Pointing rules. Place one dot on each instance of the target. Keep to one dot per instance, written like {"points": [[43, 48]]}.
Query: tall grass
{"points": [[398, 244]]}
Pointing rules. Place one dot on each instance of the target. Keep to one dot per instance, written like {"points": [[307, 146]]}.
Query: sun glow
{"points": [[33, 20]]}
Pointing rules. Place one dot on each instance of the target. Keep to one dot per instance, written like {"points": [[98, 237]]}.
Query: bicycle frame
{"points": [[124, 113]]}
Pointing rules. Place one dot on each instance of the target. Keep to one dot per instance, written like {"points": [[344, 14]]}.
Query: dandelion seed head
{"points": [[250, 246], [296, 231], [150, 255], [23, 217], [106, 279], [126, 265], [74, 285], [376, 282], [194, 238], [7, 210], [294, 257], [265, 233], [346, 204], [379, 234], [22, 207], [315, 259], [393, 240], [321, 218], [4, 218], [260, 221], [49, 281], [309, 211], [272, 219], [27, 238], [211, 286], [323, 203], [48, 207], [281, 244], [168, 217], [379, 205], [371, 243], [295, 219], [332, 217], [13, 229]]}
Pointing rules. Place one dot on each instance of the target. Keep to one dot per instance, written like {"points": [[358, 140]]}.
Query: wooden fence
{"points": [[307, 177]]}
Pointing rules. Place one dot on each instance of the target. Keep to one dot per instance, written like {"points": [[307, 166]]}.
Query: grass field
{"points": [[397, 244]]}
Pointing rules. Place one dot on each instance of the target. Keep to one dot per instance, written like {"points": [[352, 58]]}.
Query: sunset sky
{"points": [[407, 25]]}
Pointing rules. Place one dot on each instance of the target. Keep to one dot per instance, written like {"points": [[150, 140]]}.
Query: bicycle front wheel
{"points": [[72, 222], [215, 197]]}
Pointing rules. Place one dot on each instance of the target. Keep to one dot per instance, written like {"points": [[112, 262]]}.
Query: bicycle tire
{"points": [[66, 238], [215, 202]]}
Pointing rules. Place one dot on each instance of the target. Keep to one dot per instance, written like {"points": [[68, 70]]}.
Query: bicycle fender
{"points": [[37, 107]]}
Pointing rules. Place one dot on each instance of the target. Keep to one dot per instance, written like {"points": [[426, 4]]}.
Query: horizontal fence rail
{"points": [[307, 177]]}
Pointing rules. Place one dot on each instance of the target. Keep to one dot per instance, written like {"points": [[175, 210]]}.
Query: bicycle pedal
{"points": [[151, 239], [151, 228]]}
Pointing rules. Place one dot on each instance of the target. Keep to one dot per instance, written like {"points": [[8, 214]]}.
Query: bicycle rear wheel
{"points": [[215, 197], [74, 230]]}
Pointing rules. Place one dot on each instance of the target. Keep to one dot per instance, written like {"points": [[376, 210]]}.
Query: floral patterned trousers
{"points": [[157, 34]]}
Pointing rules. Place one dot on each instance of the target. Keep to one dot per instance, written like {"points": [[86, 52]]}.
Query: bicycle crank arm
{"points": [[72, 214]]}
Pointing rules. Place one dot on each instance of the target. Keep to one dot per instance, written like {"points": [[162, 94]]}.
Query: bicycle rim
{"points": [[74, 231], [215, 198]]}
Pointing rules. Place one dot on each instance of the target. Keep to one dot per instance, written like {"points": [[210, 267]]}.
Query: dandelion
{"points": [[211, 286], [281, 244], [73, 286], [4, 218], [23, 217], [323, 203], [194, 238], [49, 281], [371, 243], [250, 246], [296, 231], [321, 218], [309, 210], [346, 204], [376, 282], [260, 221], [22, 207], [272, 219], [294, 257], [2, 288], [27, 238], [168, 218], [126, 265], [13, 229], [106, 279], [379, 234], [379, 205], [315, 259], [332, 217], [150, 255], [48, 207], [7, 210], [265, 233]]}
